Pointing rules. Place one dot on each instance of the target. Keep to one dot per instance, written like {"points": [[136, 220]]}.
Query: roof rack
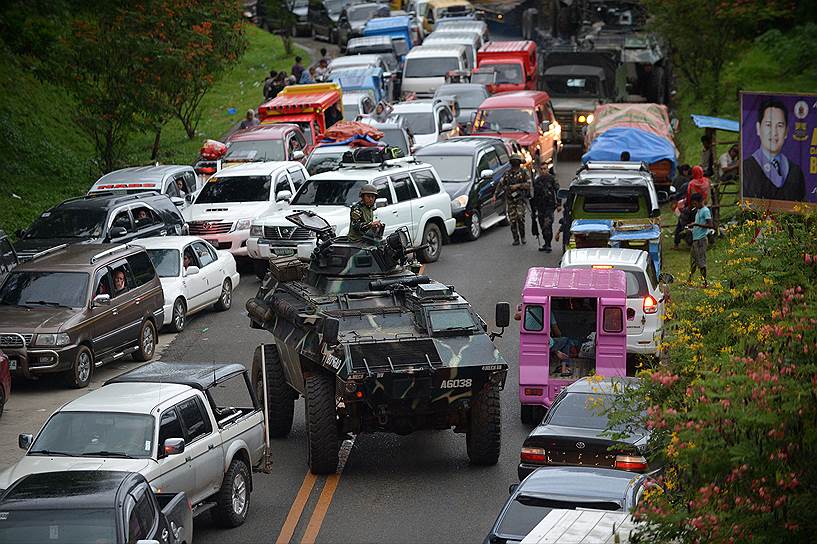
{"points": [[615, 165], [111, 251], [49, 250]]}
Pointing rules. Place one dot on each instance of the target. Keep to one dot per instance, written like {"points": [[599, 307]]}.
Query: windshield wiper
{"points": [[104, 453], [49, 452], [47, 303]]}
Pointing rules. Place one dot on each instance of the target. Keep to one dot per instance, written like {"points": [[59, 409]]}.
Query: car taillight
{"points": [[534, 391], [533, 455], [650, 304], [634, 463]]}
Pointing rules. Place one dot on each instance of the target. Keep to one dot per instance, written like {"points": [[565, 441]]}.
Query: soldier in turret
{"points": [[362, 223], [516, 185]]}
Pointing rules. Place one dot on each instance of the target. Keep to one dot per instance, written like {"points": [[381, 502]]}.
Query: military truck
{"points": [[373, 347]]}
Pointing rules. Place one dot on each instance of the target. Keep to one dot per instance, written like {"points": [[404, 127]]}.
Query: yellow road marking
{"points": [[296, 509], [321, 508]]}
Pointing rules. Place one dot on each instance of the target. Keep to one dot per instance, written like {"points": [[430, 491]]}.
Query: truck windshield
{"points": [[55, 289], [166, 262], [96, 434], [329, 192], [505, 120], [454, 319], [65, 525], [235, 189], [572, 86], [508, 73], [451, 168], [430, 67], [256, 150], [86, 223]]}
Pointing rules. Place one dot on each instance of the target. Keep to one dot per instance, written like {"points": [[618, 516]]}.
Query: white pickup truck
{"points": [[192, 427]]}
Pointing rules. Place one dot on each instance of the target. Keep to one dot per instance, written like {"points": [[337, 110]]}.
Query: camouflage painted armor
{"points": [[515, 200], [360, 222]]}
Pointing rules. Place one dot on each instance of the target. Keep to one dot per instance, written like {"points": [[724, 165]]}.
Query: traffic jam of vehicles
{"points": [[338, 200]]}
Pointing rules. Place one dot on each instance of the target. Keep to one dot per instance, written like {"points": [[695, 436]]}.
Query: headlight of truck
{"points": [[52, 340], [257, 231], [459, 203], [243, 224]]}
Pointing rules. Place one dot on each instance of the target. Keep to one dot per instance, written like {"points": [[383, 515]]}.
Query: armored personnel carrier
{"points": [[373, 347]]}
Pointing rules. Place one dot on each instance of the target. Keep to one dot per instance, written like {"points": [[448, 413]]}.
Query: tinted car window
{"points": [[68, 223], [141, 519], [426, 182], [501, 153], [493, 160], [523, 514], [235, 189], [195, 420], [45, 289], [166, 262], [404, 188], [7, 257], [142, 268], [297, 177], [169, 427], [581, 410]]}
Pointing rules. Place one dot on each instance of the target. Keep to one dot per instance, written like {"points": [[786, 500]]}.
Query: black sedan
{"points": [[573, 432], [549, 488]]}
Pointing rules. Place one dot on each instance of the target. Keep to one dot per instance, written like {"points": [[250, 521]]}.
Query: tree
{"points": [[705, 34]]}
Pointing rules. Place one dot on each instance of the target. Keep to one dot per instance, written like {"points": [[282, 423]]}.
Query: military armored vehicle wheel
{"points": [[280, 396], [484, 431], [321, 424], [434, 238]]}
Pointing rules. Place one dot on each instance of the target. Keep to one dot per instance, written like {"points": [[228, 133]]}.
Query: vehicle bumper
{"points": [[541, 394], [235, 242], [524, 469], [450, 225], [262, 248], [31, 362], [645, 343], [168, 313]]}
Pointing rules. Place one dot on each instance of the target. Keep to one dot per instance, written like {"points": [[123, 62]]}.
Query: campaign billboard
{"points": [[778, 149]]}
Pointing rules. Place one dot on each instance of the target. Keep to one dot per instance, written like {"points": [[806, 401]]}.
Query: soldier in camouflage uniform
{"points": [[516, 185], [362, 223], [543, 204]]}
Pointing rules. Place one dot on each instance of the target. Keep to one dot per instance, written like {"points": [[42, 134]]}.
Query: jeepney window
{"points": [[613, 320], [534, 317], [230, 399]]}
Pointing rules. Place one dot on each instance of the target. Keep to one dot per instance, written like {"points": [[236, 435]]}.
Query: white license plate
{"points": [[213, 243], [283, 252], [12, 364]]}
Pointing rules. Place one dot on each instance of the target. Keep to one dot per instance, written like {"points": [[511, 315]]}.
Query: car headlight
{"points": [[52, 340], [257, 231], [459, 203], [243, 224], [590, 118]]}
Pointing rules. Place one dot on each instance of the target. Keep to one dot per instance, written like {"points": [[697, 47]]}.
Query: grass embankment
{"points": [[773, 63], [48, 159]]}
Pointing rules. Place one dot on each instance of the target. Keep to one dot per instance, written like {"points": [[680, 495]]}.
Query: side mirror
{"points": [[24, 440], [380, 203], [20, 233], [191, 271], [189, 197], [330, 330], [656, 212], [666, 277], [283, 195], [298, 155], [663, 196], [672, 190], [563, 194], [503, 314], [486, 174], [178, 201], [512, 488], [118, 232], [101, 300], [173, 446], [545, 126], [447, 127]]}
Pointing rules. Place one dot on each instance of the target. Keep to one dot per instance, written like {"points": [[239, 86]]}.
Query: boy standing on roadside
{"points": [[700, 231]]}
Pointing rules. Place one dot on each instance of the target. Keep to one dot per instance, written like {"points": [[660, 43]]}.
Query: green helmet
{"points": [[368, 189], [517, 157]]}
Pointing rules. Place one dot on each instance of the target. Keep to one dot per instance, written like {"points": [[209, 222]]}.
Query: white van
{"points": [[176, 181], [426, 67], [470, 40], [459, 26]]}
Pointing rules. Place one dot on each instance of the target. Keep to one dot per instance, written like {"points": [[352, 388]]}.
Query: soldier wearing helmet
{"points": [[362, 223], [516, 185]]}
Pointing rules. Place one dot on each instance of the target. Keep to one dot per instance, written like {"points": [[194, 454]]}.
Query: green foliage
{"points": [[734, 406]]}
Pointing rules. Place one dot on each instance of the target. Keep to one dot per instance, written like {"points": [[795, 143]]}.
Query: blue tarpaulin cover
{"points": [[650, 232], [643, 147], [359, 79], [704, 121], [382, 25], [586, 226]]}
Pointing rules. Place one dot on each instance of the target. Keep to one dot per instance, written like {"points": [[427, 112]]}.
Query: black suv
{"points": [[8, 257], [100, 219]]}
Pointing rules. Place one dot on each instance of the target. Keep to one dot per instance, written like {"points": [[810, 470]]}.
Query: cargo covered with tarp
{"points": [[352, 133]]}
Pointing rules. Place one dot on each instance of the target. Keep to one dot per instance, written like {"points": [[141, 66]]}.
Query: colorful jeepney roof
{"points": [[575, 282], [358, 78], [384, 24], [315, 97], [507, 46]]}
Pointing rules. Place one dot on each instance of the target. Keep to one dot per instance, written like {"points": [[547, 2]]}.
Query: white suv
{"points": [[645, 291], [237, 194], [429, 120], [410, 195]]}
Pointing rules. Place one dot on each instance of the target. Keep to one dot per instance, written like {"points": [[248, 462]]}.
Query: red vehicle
{"points": [[5, 381], [308, 106], [513, 63], [524, 116]]}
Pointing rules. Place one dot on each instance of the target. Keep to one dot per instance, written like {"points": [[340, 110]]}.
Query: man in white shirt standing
{"points": [[728, 164]]}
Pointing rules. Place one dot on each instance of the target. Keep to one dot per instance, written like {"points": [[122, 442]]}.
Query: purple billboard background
{"points": [[801, 126]]}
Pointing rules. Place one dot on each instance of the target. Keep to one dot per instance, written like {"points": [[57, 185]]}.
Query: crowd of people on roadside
{"points": [[298, 75]]}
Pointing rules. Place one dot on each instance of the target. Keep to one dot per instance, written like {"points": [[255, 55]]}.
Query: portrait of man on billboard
{"points": [[767, 172]]}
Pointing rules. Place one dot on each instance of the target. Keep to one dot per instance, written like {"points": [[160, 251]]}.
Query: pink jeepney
{"points": [[588, 308]]}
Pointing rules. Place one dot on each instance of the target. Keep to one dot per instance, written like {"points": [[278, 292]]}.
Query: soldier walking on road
{"points": [[362, 223], [516, 185], [544, 202]]}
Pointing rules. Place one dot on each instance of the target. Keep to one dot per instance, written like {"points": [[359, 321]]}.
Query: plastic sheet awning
{"points": [[705, 121], [643, 146], [588, 226]]}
